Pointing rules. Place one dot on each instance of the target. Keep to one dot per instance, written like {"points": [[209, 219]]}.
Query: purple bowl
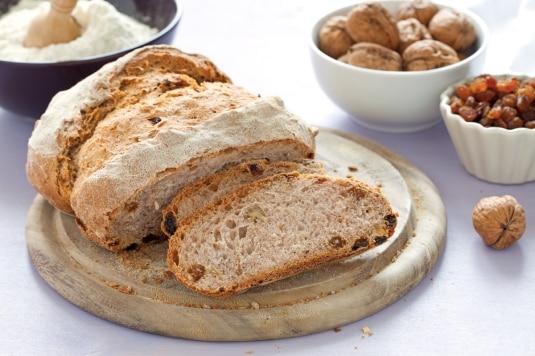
{"points": [[26, 88]]}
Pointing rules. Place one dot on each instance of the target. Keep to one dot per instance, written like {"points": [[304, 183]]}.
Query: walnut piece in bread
{"points": [[277, 227]]}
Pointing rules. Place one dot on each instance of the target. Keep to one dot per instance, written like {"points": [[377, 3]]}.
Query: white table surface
{"points": [[474, 301]]}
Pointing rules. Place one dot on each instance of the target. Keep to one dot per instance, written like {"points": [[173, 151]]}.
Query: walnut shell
{"points": [[422, 10], [334, 40], [428, 54], [371, 22], [373, 56], [500, 221], [453, 28], [411, 30]]}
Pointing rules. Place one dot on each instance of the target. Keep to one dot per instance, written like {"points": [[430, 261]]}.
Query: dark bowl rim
{"points": [[106, 56]]}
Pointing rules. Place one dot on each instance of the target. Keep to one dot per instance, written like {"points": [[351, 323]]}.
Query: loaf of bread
{"points": [[114, 149], [213, 187], [277, 227]]}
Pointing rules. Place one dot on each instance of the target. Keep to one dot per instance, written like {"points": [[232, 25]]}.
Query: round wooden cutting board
{"points": [[137, 289]]}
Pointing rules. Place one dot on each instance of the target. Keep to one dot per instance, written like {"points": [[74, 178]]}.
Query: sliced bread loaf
{"points": [[117, 147], [208, 189], [277, 227]]}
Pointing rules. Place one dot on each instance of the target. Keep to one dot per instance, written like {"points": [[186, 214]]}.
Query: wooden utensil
{"points": [[56, 26]]}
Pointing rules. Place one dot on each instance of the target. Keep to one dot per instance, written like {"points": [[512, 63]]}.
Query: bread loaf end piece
{"points": [[208, 189], [73, 114], [277, 227]]}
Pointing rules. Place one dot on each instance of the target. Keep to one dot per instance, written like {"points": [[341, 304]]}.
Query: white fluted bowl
{"points": [[493, 154]]}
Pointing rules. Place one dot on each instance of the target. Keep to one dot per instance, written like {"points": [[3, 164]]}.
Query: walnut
{"points": [[334, 40], [428, 54], [421, 10], [373, 56], [453, 28], [410, 31], [372, 22], [500, 221]]}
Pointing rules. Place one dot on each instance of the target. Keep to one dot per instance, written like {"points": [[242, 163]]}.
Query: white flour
{"points": [[104, 30]]}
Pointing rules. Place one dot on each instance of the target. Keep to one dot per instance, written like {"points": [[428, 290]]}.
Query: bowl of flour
{"points": [[30, 77]]}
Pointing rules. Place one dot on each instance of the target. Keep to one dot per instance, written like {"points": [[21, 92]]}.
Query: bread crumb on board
{"points": [[120, 288], [366, 330], [352, 168]]}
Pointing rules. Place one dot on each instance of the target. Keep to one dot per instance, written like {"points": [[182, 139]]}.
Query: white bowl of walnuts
{"points": [[491, 122], [385, 63]]}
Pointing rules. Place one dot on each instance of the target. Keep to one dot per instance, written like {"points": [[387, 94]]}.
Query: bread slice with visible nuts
{"points": [[277, 227], [208, 189]]}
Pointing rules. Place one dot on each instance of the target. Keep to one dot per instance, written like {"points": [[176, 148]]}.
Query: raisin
{"points": [[380, 240], [155, 120], [478, 85], [494, 113], [391, 220], [463, 92], [468, 113], [507, 85], [255, 170], [152, 238], [485, 95], [509, 100], [360, 244], [170, 224], [508, 113], [522, 102], [515, 123]]}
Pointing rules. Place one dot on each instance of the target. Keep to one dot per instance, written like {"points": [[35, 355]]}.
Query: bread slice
{"points": [[277, 227], [117, 147], [208, 189]]}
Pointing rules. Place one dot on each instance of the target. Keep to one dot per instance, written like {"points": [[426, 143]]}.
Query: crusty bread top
{"points": [[73, 114], [212, 187], [276, 227]]}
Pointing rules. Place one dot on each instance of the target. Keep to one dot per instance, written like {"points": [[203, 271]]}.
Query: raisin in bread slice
{"points": [[117, 147], [208, 189], [277, 227]]}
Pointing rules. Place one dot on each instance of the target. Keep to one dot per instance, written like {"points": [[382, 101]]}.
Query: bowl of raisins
{"points": [[491, 122]]}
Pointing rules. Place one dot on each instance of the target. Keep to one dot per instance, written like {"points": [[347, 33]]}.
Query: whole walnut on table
{"points": [[499, 221]]}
